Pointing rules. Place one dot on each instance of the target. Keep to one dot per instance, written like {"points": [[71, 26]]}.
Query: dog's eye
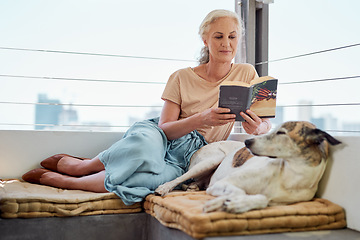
{"points": [[280, 133]]}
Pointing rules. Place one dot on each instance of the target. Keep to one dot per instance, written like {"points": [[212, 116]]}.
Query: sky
{"points": [[162, 29]]}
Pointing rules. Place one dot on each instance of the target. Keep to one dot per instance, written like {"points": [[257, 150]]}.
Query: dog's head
{"points": [[293, 140]]}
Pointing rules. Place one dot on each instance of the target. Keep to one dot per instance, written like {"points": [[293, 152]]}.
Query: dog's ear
{"points": [[316, 136]]}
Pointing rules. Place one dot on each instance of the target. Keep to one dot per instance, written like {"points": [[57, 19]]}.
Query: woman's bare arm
{"points": [[175, 128]]}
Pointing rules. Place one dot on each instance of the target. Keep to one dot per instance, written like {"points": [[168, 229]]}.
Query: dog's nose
{"points": [[249, 142]]}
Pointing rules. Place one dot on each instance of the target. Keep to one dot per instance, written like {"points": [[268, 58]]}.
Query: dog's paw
{"points": [[216, 204], [162, 190], [222, 188], [226, 205], [237, 205], [241, 204]]}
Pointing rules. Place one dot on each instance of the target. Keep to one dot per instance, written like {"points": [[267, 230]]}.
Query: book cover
{"points": [[259, 96]]}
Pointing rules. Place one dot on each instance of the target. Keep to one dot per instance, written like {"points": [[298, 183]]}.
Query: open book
{"points": [[259, 96]]}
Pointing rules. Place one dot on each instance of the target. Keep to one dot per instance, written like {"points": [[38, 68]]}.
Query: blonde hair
{"points": [[205, 26]]}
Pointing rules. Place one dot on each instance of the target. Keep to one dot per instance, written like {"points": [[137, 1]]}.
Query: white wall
{"points": [[21, 151], [341, 181]]}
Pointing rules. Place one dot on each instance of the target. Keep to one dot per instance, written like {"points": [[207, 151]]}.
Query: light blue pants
{"points": [[144, 159]]}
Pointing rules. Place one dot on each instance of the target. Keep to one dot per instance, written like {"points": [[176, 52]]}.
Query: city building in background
{"points": [[46, 114]]}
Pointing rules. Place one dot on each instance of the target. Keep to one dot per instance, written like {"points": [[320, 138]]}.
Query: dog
{"points": [[281, 167]]}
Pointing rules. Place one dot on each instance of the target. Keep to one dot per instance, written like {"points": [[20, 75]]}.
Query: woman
{"points": [[155, 151]]}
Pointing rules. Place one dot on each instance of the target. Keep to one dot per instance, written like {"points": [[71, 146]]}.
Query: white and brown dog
{"points": [[283, 167]]}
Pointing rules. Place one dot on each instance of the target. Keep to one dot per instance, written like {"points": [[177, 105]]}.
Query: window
{"points": [[100, 66], [328, 76], [98, 63]]}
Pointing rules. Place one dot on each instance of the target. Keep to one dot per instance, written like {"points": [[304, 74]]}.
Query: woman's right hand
{"points": [[175, 128], [217, 117]]}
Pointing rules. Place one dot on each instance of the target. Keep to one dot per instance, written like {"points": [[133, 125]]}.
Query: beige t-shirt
{"points": [[194, 94]]}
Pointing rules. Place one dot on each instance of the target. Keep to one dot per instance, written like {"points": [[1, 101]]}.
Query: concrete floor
{"points": [[138, 226]]}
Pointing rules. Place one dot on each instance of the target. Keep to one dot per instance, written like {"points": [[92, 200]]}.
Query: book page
{"points": [[260, 79], [244, 84], [235, 83]]}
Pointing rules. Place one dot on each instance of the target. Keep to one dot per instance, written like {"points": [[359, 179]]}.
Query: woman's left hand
{"points": [[253, 124]]}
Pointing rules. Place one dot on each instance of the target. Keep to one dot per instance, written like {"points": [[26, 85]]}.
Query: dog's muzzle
{"points": [[249, 143]]}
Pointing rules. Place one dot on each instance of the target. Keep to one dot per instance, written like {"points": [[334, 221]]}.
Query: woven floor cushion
{"points": [[25, 200], [183, 210]]}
